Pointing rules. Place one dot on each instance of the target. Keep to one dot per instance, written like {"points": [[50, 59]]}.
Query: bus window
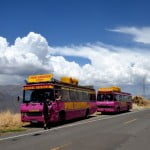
{"points": [[77, 95], [109, 97], [125, 98], [38, 95], [105, 97], [73, 95], [92, 97], [27, 96], [101, 97], [115, 99], [65, 95], [80, 96], [120, 97], [129, 98], [85, 96]]}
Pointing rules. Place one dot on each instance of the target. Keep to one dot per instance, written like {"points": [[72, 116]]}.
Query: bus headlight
{"points": [[24, 114]]}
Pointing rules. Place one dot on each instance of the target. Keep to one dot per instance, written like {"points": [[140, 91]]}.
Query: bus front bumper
{"points": [[106, 109], [32, 117]]}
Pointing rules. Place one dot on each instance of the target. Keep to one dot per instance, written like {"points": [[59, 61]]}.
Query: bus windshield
{"points": [[38, 95], [105, 97]]}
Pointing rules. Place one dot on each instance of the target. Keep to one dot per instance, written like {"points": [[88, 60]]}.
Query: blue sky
{"points": [[66, 22], [97, 41]]}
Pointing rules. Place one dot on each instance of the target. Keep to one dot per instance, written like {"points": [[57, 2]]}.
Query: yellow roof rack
{"points": [[69, 80], [110, 89]]}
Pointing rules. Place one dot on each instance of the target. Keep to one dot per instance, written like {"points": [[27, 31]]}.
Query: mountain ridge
{"points": [[8, 97]]}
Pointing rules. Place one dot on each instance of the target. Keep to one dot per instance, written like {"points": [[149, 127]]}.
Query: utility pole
{"points": [[144, 85]]}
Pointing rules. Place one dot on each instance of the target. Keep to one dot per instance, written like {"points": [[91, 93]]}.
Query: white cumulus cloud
{"points": [[141, 35], [26, 56], [108, 64]]}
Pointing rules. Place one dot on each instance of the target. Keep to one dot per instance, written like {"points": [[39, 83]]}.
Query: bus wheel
{"points": [[103, 113], [87, 114], [118, 110], [128, 108], [62, 116]]}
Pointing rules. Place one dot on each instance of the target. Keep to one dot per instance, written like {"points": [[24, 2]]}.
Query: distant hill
{"points": [[8, 97]]}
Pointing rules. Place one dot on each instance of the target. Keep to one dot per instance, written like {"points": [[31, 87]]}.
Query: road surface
{"points": [[126, 131]]}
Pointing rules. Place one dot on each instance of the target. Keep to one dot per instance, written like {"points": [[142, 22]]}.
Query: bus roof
{"points": [[43, 80], [110, 89], [32, 83], [112, 92]]}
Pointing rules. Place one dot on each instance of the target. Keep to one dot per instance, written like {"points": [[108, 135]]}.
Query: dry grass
{"points": [[135, 106], [140, 102], [10, 122]]}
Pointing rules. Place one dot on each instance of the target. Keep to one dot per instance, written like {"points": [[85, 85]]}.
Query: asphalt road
{"points": [[126, 131]]}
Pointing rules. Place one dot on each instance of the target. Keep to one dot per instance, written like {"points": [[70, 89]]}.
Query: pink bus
{"points": [[75, 101], [111, 99]]}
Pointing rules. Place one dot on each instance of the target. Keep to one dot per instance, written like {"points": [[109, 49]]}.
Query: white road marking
{"points": [[61, 146], [69, 125], [130, 121]]}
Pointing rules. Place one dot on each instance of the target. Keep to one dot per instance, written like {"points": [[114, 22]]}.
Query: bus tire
{"points": [[62, 116], [103, 113], [118, 110], [128, 108], [87, 113]]}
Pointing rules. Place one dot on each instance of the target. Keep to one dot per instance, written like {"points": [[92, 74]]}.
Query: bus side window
{"points": [[85, 96], [123, 97], [80, 96], [77, 95], [110, 97], [72, 95], [117, 97], [120, 98], [130, 98], [65, 95], [126, 98], [93, 97]]}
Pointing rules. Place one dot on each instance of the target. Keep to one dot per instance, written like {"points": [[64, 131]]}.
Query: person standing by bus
{"points": [[46, 112]]}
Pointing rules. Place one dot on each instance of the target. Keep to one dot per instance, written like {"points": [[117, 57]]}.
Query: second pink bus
{"points": [[112, 99]]}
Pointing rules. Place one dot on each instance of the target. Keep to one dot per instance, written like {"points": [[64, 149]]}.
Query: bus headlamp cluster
{"points": [[24, 114]]}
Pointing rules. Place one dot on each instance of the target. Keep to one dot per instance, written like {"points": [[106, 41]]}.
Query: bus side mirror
{"points": [[18, 98]]}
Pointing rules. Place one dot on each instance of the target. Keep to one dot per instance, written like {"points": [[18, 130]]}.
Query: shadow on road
{"points": [[51, 125], [113, 113]]}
